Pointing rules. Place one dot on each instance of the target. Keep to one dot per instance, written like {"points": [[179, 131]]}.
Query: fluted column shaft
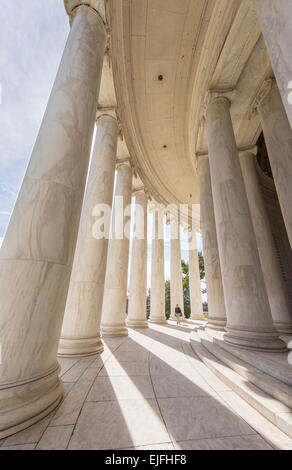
{"points": [[249, 320], [270, 265], [81, 326], [278, 138], [113, 319], [194, 280], [37, 253], [216, 304], [275, 18], [138, 278], [157, 296], [176, 286]]}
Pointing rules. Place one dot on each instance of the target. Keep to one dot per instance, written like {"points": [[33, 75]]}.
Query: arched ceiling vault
{"points": [[166, 55]]}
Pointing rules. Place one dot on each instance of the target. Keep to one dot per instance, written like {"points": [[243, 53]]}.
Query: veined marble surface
{"points": [[138, 277], [216, 303], [275, 19], [157, 298], [277, 296], [37, 253], [194, 282], [176, 288], [81, 326], [148, 391], [115, 289], [278, 137], [247, 307]]}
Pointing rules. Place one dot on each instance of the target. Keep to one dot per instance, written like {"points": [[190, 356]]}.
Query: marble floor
{"points": [[148, 391]]}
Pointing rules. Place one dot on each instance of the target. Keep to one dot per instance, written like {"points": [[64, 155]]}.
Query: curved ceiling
{"points": [[166, 55]]}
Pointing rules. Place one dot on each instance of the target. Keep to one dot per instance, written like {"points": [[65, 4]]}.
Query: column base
{"points": [[197, 317], [23, 404], [216, 323], [267, 342], [137, 323], [114, 331], [284, 328], [158, 320], [75, 347]]}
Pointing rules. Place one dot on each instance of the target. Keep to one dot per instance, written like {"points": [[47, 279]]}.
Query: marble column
{"points": [[249, 319], [270, 265], [37, 253], [176, 286], [275, 18], [278, 138], [194, 280], [138, 278], [216, 304], [157, 296], [113, 318], [81, 326]]}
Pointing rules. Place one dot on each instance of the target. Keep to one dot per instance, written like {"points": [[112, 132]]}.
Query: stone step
{"points": [[274, 387], [274, 410], [273, 364]]}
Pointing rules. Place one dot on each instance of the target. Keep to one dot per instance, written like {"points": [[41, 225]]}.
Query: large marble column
{"points": [[278, 138], [275, 18], [113, 318], [249, 319], [37, 253], [216, 304], [270, 265], [157, 296], [194, 280], [176, 286], [138, 278], [81, 326]]}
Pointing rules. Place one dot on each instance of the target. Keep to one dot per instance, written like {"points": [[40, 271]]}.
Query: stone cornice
{"points": [[263, 92], [97, 6]]}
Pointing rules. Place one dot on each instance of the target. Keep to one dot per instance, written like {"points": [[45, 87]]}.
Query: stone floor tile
{"points": [[55, 438], [225, 443], [121, 388], [70, 408], [129, 423], [195, 418]]}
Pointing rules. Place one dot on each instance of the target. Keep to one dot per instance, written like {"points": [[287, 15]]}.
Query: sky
{"points": [[33, 35]]}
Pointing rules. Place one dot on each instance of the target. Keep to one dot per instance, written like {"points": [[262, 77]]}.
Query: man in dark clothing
{"points": [[178, 314]]}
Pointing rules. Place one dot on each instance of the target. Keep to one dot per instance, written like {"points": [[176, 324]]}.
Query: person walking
{"points": [[178, 314]]}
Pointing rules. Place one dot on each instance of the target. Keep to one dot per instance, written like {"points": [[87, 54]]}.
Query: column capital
{"points": [[253, 150], [241, 150], [124, 162], [262, 93], [97, 6], [215, 94], [138, 191], [106, 112]]}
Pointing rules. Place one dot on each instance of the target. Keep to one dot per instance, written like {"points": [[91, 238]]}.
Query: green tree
{"points": [[148, 303], [167, 299], [186, 287]]}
